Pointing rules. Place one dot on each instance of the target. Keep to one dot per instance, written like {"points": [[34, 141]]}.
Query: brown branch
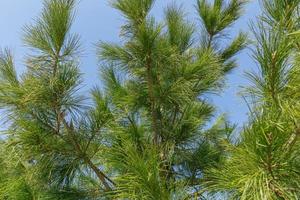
{"points": [[292, 140], [90, 140], [102, 177], [152, 100], [269, 155], [60, 118], [210, 40]]}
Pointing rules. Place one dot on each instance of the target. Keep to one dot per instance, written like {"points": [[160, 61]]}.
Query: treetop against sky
{"points": [[129, 104], [97, 21]]}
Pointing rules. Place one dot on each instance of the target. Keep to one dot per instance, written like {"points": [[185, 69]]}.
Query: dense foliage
{"points": [[265, 163], [148, 131]]}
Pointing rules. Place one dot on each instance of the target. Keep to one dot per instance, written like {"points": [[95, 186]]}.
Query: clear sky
{"points": [[97, 21]]}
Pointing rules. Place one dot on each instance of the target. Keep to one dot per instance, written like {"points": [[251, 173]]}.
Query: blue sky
{"points": [[97, 21]]}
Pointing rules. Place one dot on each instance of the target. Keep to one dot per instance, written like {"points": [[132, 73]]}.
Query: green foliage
{"points": [[50, 34], [265, 163], [55, 131], [155, 84], [146, 135], [219, 16]]}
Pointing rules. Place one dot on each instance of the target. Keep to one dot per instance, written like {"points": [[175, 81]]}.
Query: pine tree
{"points": [[155, 83], [145, 135], [51, 128], [265, 163]]}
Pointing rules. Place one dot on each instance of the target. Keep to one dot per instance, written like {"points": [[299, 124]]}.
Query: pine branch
{"points": [[102, 177], [153, 108]]}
